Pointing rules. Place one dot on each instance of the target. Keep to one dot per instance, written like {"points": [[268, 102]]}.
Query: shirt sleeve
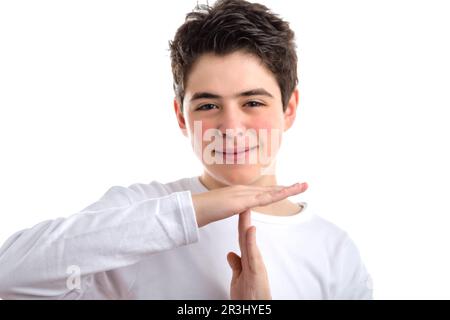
{"points": [[352, 280], [114, 232]]}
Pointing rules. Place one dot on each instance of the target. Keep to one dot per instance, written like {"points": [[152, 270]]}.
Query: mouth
{"points": [[234, 152]]}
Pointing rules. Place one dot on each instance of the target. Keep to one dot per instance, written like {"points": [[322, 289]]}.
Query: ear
{"points": [[291, 110], [180, 117]]}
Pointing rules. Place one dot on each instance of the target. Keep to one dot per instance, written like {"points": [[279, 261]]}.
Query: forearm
{"points": [[93, 241]]}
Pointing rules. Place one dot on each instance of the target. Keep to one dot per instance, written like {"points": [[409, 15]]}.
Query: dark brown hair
{"points": [[231, 25]]}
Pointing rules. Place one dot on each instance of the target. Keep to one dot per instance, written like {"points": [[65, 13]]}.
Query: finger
{"points": [[256, 190], [250, 196], [273, 187], [235, 264], [274, 196], [254, 258], [295, 188], [244, 224], [265, 188]]}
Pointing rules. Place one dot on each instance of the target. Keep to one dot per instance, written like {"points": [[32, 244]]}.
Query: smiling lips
{"points": [[234, 152]]}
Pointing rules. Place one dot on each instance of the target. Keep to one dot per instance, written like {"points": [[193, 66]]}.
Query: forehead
{"points": [[231, 73]]}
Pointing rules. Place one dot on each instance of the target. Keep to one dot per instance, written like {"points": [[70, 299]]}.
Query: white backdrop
{"points": [[86, 103]]}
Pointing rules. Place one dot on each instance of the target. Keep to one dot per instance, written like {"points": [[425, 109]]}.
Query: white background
{"points": [[86, 103]]}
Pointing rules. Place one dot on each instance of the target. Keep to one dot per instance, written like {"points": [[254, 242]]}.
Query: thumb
{"points": [[235, 263]]}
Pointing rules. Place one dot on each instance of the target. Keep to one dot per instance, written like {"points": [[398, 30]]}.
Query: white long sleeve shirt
{"points": [[142, 242]]}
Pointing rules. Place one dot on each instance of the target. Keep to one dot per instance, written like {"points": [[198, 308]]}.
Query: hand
{"points": [[249, 281], [224, 202]]}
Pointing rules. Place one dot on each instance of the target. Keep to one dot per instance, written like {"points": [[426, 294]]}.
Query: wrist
{"points": [[197, 202]]}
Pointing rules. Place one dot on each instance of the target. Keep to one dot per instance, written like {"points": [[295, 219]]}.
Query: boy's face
{"points": [[233, 115]]}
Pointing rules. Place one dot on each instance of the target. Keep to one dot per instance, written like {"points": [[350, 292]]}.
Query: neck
{"points": [[211, 183]]}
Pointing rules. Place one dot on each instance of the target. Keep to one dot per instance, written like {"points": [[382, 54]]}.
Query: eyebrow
{"points": [[209, 95]]}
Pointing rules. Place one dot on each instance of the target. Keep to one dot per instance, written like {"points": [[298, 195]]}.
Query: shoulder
{"points": [[337, 242], [328, 232]]}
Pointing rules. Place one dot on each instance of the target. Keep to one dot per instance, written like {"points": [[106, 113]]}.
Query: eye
{"points": [[254, 104], [206, 106]]}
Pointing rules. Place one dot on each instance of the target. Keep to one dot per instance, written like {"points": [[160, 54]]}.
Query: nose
{"points": [[231, 124]]}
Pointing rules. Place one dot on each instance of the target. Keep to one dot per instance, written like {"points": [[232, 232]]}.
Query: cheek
{"points": [[271, 119], [265, 124], [197, 130], [269, 133], [201, 126]]}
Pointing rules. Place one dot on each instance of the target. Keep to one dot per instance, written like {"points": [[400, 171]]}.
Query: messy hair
{"points": [[232, 25]]}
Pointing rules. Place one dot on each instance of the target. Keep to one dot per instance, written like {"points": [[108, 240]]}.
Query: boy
{"points": [[234, 67]]}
